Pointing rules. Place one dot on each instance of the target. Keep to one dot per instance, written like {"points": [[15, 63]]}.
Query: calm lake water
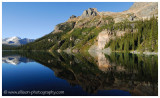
{"points": [[114, 74]]}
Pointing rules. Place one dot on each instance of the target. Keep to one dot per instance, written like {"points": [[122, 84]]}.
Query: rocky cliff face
{"points": [[138, 11], [90, 12], [103, 38], [144, 9]]}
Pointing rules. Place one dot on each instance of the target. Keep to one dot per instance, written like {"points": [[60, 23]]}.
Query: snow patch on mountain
{"points": [[16, 41]]}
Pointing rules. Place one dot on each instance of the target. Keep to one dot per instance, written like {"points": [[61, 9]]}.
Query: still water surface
{"points": [[115, 74]]}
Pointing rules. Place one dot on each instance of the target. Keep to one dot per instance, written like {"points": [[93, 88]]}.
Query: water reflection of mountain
{"points": [[15, 59], [137, 74]]}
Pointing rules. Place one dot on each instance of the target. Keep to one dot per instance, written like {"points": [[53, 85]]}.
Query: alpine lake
{"points": [[79, 74]]}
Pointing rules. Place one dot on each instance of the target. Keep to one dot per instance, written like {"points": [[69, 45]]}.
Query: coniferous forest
{"points": [[145, 39]]}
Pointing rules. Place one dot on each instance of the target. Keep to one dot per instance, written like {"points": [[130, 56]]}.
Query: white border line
{"points": [[76, 1]]}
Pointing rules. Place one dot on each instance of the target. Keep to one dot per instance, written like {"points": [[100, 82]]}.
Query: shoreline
{"points": [[104, 51], [146, 53]]}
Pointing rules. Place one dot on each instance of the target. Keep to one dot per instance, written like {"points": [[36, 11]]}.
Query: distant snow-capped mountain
{"points": [[16, 41]]}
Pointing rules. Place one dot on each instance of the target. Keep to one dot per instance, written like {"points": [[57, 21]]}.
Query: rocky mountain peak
{"points": [[139, 5], [14, 38], [89, 12]]}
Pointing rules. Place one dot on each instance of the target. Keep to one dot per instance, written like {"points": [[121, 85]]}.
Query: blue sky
{"points": [[36, 19]]}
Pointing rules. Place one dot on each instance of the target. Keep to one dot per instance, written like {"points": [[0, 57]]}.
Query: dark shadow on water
{"points": [[117, 74]]}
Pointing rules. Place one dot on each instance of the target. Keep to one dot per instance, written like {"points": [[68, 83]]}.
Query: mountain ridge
{"points": [[16, 41], [132, 14], [97, 31]]}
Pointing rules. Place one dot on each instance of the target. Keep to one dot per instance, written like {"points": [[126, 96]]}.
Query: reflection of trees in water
{"points": [[144, 67], [134, 73]]}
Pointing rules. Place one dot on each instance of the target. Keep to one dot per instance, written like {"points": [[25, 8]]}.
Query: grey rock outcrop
{"points": [[138, 11], [132, 17], [73, 16], [145, 9], [62, 26], [89, 12], [103, 38]]}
